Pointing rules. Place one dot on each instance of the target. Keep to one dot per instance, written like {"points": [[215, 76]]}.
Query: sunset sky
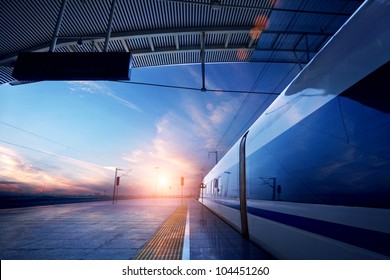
{"points": [[68, 137]]}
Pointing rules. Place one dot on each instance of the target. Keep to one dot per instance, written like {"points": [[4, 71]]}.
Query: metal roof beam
{"points": [[215, 48], [190, 49], [270, 9], [6, 60]]}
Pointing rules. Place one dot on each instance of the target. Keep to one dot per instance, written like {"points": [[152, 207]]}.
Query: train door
{"points": [[242, 179]]}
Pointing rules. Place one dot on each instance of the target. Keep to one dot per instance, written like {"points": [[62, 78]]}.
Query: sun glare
{"points": [[163, 181]]}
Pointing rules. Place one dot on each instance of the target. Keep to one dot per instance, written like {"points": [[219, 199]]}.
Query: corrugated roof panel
{"points": [[63, 49], [164, 41], [215, 39], [267, 40], [302, 22], [279, 56], [189, 40], [315, 23], [136, 61], [5, 75], [241, 55], [287, 41], [138, 43], [241, 38], [85, 47], [169, 58], [250, 3], [333, 5], [85, 17], [115, 46], [154, 15], [155, 59], [235, 16], [346, 6], [28, 24], [25, 24], [168, 14], [292, 21], [191, 57]]}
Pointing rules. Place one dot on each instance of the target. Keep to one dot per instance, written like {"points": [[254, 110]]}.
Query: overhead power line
{"points": [[36, 150], [43, 152], [197, 89], [46, 139]]}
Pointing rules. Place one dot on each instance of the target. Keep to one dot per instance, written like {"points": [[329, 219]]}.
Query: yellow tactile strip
{"points": [[167, 242]]}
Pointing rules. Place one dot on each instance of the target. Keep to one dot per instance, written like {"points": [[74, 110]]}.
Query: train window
{"points": [[215, 186], [207, 189], [220, 186], [231, 182], [338, 155], [225, 183]]}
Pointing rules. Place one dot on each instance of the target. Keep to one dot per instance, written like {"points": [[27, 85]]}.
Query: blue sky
{"points": [[68, 137]]}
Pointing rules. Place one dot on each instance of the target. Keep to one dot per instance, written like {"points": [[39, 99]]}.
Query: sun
{"points": [[163, 181]]}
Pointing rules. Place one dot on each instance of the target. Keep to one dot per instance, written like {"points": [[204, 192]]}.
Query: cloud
{"points": [[171, 151], [123, 102], [134, 157], [223, 111], [196, 75], [86, 86], [209, 121], [183, 138], [92, 87], [24, 176], [11, 187]]}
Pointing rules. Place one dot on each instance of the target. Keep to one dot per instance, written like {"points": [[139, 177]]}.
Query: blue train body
{"points": [[310, 178]]}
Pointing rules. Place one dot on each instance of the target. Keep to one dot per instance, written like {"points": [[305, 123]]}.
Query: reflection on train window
{"points": [[337, 155]]}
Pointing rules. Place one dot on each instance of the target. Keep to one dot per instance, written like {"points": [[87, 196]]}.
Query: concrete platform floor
{"points": [[103, 231]]}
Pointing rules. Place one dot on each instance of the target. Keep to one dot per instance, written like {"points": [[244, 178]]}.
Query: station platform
{"points": [[149, 229]]}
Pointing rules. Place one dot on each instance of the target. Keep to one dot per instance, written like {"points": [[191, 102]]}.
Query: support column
{"points": [[109, 26], [202, 60], [58, 26]]}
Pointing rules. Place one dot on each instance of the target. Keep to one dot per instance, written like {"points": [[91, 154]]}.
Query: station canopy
{"points": [[172, 32]]}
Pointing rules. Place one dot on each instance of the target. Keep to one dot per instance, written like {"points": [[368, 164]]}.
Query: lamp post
{"points": [[115, 185], [202, 186]]}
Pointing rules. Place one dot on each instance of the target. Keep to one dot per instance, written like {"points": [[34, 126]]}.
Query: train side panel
{"points": [[221, 194], [317, 160]]}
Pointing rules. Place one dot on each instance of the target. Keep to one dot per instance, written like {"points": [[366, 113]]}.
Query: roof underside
{"points": [[166, 32]]}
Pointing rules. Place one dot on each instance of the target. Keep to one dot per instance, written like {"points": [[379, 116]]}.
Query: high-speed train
{"points": [[310, 179]]}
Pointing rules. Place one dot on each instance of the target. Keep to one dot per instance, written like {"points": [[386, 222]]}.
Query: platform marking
{"points": [[186, 245], [167, 242]]}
